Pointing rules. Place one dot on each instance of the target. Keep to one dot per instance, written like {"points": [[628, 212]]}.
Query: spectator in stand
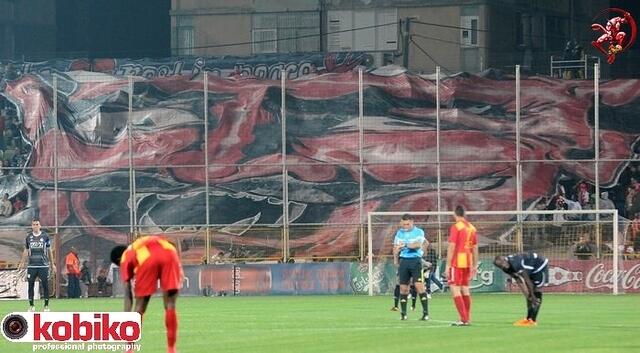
{"points": [[73, 273], [6, 208], [583, 193], [109, 274], [606, 204], [85, 279], [558, 203], [103, 279], [583, 249], [573, 206], [218, 258], [634, 234], [630, 199], [18, 204]]}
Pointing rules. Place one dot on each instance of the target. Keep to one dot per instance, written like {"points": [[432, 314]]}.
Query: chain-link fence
{"points": [[247, 169]]}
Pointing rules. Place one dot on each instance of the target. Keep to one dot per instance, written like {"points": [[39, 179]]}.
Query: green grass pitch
{"points": [[567, 323]]}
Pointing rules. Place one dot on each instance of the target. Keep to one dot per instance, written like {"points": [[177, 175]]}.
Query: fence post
{"points": [[360, 149], [519, 235], [207, 240], [285, 181]]}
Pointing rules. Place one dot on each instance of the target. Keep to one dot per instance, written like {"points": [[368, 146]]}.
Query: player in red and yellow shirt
{"points": [[146, 261], [462, 262]]}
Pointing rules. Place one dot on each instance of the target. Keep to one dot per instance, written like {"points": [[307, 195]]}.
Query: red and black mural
{"points": [[323, 149]]}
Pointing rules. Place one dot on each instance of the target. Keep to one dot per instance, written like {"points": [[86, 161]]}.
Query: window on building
{"points": [[288, 32], [265, 40], [469, 30], [362, 30], [185, 42]]}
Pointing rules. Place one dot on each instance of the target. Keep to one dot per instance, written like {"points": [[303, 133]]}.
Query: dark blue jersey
{"points": [[529, 263], [38, 248]]}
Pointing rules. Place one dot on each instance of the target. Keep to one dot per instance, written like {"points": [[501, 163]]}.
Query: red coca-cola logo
{"points": [[599, 277]]}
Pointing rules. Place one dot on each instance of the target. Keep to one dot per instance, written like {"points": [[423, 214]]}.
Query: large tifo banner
{"points": [[95, 136]]}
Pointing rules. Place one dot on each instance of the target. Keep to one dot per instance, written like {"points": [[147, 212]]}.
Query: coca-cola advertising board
{"points": [[588, 276]]}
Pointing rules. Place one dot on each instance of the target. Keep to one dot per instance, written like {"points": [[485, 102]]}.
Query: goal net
{"points": [[586, 248]]}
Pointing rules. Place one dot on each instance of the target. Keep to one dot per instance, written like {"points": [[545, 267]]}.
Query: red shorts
{"points": [[162, 265], [459, 276]]}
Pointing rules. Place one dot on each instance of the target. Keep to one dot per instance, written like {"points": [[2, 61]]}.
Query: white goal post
{"points": [[507, 227]]}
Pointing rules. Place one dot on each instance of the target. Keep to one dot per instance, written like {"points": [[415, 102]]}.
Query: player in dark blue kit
{"points": [[39, 254], [530, 271]]}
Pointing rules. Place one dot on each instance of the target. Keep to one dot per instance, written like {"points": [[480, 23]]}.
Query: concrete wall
{"points": [[216, 23], [444, 50]]}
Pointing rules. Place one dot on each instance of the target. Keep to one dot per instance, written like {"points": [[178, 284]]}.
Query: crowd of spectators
{"points": [[580, 195], [13, 156]]}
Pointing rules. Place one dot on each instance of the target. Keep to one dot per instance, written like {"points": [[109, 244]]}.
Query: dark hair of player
{"points": [[501, 262], [459, 211], [116, 254], [407, 217]]}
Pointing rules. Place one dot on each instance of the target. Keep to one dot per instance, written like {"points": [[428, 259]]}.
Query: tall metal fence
{"points": [[243, 169]]}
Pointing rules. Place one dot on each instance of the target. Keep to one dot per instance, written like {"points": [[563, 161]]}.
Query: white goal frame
{"points": [[441, 214]]}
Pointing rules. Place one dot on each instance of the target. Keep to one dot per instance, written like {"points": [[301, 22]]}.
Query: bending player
{"points": [[530, 272], [147, 260]]}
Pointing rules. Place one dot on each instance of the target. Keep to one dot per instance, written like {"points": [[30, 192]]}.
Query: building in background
{"points": [[458, 35], [244, 27]]}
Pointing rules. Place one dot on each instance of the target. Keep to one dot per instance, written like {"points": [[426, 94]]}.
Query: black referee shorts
{"points": [[410, 268]]}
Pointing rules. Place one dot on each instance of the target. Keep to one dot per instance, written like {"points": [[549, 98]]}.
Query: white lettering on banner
{"points": [[150, 71], [598, 277], [292, 70]]}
